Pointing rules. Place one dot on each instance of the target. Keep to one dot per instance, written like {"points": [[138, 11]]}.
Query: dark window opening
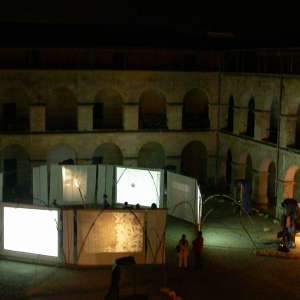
{"points": [[9, 116], [10, 179], [251, 118], [98, 116]]}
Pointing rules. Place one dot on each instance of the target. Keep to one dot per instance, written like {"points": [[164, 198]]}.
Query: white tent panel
{"points": [[139, 186], [1, 187], [78, 183], [40, 185], [182, 197], [56, 184], [105, 183], [30, 231]]}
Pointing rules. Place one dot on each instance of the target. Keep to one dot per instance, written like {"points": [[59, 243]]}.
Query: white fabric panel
{"points": [[56, 188], [40, 185], [1, 187], [91, 184], [31, 231], [199, 204], [138, 186], [105, 183], [182, 197], [78, 184]]}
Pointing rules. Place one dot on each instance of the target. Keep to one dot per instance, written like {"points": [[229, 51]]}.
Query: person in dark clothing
{"points": [[183, 253], [113, 293], [105, 202], [197, 249]]}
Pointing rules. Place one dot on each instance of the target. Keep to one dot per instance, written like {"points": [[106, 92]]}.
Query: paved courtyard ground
{"points": [[231, 269]]}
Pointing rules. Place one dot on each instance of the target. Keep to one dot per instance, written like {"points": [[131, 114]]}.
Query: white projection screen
{"points": [[183, 197], [139, 186], [79, 184], [30, 231]]}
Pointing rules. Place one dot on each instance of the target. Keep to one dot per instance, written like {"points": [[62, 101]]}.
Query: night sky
{"points": [[244, 25]]}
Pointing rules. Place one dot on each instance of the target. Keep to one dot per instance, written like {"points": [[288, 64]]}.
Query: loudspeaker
{"points": [[125, 261]]}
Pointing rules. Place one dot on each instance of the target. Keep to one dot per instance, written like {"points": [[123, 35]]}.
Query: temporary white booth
{"points": [[82, 236]]}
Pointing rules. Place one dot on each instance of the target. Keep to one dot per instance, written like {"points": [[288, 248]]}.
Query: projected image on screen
{"points": [[114, 232], [138, 186], [31, 231], [74, 183]]}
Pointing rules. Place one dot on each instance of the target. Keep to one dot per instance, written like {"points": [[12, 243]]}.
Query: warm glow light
{"points": [[138, 186], [112, 233], [76, 183], [31, 231]]}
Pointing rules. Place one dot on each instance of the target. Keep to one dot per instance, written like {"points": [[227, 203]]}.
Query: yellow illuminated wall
{"points": [[113, 232]]}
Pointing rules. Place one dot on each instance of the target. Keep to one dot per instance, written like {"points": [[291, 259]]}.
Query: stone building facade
{"points": [[215, 126]]}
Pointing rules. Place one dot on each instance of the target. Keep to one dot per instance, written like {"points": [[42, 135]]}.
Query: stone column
{"points": [[262, 125], [85, 117], [287, 130], [213, 115], [240, 120], [174, 116], [37, 118], [130, 116], [223, 116], [211, 169]]}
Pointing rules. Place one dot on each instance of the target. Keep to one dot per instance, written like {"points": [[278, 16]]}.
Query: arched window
{"points": [[15, 110], [230, 118], [195, 110], [108, 153], [61, 110], [152, 155], [61, 154], [17, 178], [251, 118], [194, 161], [152, 110], [107, 110]]}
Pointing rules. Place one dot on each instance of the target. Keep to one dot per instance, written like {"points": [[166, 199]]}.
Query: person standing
{"points": [[183, 252], [197, 249]]}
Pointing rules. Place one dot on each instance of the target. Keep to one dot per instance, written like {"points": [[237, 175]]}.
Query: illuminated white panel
{"points": [[74, 184], [199, 207], [31, 231], [138, 186]]}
